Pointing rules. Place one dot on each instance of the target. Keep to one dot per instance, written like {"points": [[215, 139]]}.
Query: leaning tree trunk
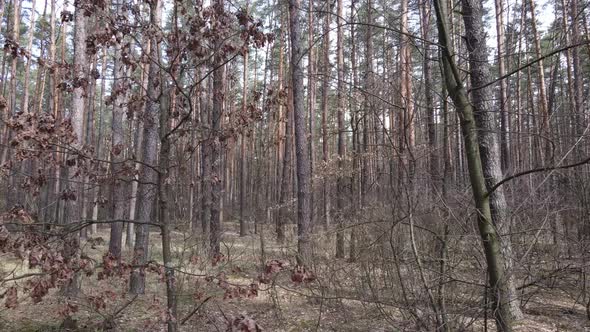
{"points": [[499, 277], [488, 142]]}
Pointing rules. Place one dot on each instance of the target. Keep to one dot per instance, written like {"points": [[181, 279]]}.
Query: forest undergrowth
{"points": [[256, 279]]}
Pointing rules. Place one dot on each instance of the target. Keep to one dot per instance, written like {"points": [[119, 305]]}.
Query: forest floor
{"points": [[336, 301]]}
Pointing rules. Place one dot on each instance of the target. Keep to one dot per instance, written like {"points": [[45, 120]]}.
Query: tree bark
{"points": [[340, 184], [325, 109], [543, 105], [425, 19], [355, 191], [311, 95], [73, 207], [479, 74], [407, 102], [216, 148], [302, 156], [25, 100], [119, 93], [503, 100], [148, 174], [499, 277], [206, 167], [243, 188]]}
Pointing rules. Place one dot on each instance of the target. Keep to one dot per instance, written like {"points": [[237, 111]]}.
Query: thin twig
{"points": [[194, 311]]}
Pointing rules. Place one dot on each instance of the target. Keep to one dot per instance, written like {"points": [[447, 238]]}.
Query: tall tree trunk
{"points": [[340, 183], [578, 75], [365, 179], [503, 100], [311, 95], [284, 142], [119, 93], [479, 73], [302, 156], [325, 107], [12, 187], [163, 189], [41, 70], [206, 166], [499, 277], [148, 175], [26, 88], [97, 189], [407, 102], [216, 148], [285, 194], [543, 105], [73, 207], [243, 188], [130, 236], [355, 191], [425, 19], [15, 36]]}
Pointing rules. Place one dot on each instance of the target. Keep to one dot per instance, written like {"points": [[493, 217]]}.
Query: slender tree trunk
{"points": [[425, 18], [96, 193], [73, 207], [130, 236], [340, 184], [138, 124], [283, 160], [26, 88], [54, 102], [503, 100], [15, 36], [119, 93], [355, 191], [544, 125], [409, 134], [41, 70], [164, 218], [216, 148], [325, 107], [579, 106], [285, 193], [243, 188], [148, 175], [365, 179], [311, 95], [206, 167]]}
